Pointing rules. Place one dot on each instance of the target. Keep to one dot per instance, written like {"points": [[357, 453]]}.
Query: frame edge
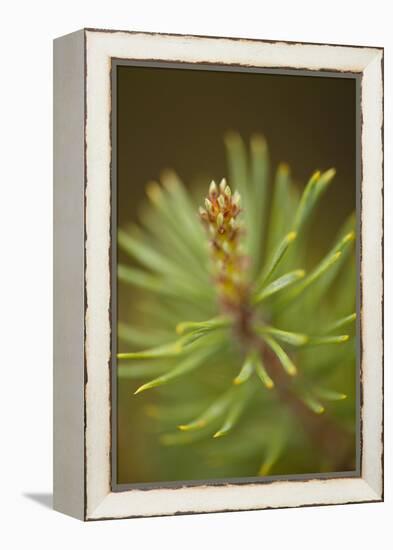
{"points": [[362, 489], [68, 272]]}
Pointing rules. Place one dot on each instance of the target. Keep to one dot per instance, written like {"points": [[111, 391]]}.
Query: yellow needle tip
{"points": [[183, 427], [141, 389], [180, 328], [291, 236]]}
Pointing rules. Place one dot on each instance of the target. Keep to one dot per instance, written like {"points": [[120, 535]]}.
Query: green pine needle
{"points": [[292, 338], [283, 357], [216, 410], [279, 284], [190, 363], [340, 323], [246, 371]]}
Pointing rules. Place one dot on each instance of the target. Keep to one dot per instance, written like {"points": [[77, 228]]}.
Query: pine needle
{"points": [[341, 322], [246, 371], [284, 359], [263, 374], [313, 404], [190, 363], [329, 395], [293, 338], [313, 191], [203, 326], [331, 259], [275, 259], [159, 352], [327, 340], [235, 410], [216, 409], [279, 284]]}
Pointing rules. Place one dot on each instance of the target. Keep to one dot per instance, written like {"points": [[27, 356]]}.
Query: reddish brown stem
{"points": [[334, 442]]}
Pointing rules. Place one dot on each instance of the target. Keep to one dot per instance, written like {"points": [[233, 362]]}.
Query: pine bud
{"points": [[213, 189], [236, 199], [209, 206], [229, 262]]}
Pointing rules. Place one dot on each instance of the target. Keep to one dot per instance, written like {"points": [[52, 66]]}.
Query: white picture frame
{"points": [[82, 242]]}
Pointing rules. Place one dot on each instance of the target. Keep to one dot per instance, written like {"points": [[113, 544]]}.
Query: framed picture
{"points": [[218, 330]]}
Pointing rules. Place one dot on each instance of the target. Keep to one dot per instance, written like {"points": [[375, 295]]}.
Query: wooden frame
{"points": [[82, 243]]}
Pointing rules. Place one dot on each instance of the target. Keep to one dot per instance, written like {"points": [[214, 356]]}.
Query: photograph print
{"points": [[235, 351]]}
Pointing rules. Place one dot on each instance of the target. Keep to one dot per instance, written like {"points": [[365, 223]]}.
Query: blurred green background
{"points": [[176, 118]]}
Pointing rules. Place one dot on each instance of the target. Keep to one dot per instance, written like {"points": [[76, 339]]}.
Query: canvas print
{"points": [[235, 275]]}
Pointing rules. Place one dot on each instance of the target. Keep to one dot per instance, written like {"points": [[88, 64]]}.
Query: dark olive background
{"points": [[176, 118]]}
